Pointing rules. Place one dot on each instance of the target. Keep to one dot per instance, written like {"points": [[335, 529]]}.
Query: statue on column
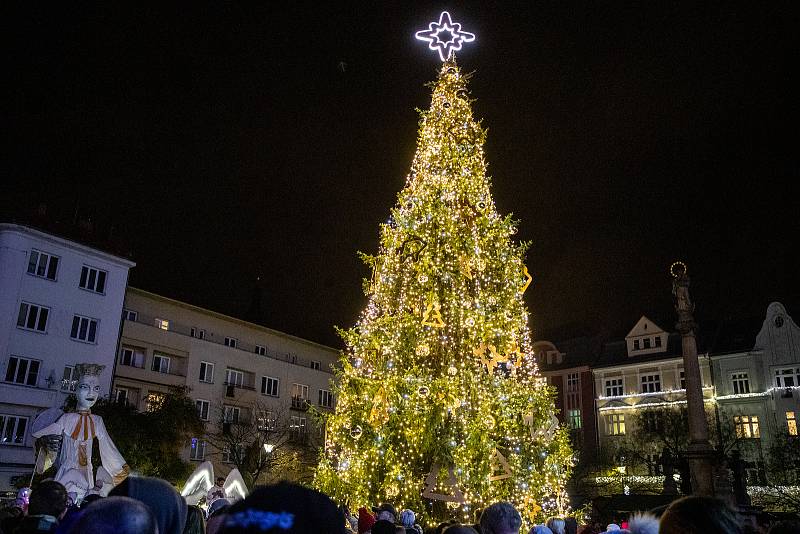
{"points": [[77, 432], [680, 292]]}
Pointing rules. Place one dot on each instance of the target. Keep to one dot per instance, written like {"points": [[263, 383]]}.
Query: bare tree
{"points": [[266, 442]]}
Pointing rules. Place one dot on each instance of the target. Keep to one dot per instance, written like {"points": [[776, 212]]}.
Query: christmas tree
{"points": [[440, 405]]}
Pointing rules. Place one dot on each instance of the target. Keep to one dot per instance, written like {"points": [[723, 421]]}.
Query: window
{"points": [[325, 398], [260, 350], [652, 421], [231, 414], [658, 341], [207, 372], [651, 383], [741, 383], [230, 342], [43, 265], [202, 408], [69, 379], [315, 365], [197, 449], [646, 342], [22, 371], [160, 363], [199, 333], [93, 279], [746, 426], [299, 395], [574, 418], [130, 315], [266, 421], [683, 379], [121, 395], [83, 329], [234, 377], [32, 317], [791, 423], [784, 378], [131, 356], [230, 455], [270, 386], [297, 427], [653, 463], [163, 324], [615, 424], [12, 429], [154, 401], [613, 387]]}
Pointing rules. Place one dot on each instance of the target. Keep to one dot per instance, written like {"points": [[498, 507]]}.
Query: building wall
{"points": [[285, 357], [53, 348]]}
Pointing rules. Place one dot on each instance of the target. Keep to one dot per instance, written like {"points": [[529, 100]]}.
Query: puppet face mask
{"points": [[88, 391]]}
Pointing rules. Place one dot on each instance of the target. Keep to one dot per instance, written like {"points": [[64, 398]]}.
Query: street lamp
{"points": [[269, 447]]}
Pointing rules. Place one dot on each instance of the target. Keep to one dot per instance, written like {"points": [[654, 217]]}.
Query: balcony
{"points": [[299, 403]]}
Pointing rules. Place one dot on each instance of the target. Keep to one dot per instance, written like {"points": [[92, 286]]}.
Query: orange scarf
{"points": [[85, 420]]}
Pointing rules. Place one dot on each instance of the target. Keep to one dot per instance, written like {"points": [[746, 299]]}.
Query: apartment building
{"points": [[60, 304], [234, 370]]}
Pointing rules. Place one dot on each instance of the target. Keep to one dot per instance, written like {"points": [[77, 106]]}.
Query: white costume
{"points": [[78, 431]]}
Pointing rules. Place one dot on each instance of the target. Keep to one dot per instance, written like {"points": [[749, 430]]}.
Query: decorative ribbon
{"points": [[86, 422]]}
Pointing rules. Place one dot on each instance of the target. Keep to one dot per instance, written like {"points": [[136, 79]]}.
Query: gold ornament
{"points": [[423, 391], [530, 507], [379, 414], [452, 370], [435, 321], [423, 349], [465, 267], [492, 360], [528, 280], [411, 248], [356, 432], [499, 466], [455, 495], [490, 422], [469, 321]]}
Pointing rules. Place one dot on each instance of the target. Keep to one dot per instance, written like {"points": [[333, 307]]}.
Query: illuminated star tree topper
{"points": [[445, 36]]}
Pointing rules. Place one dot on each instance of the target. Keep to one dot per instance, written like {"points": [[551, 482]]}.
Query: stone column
{"points": [[699, 453]]}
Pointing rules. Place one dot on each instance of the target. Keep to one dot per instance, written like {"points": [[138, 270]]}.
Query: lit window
{"points": [[613, 387], [615, 424], [270, 386], [23, 371], [43, 265], [574, 418], [163, 324], [266, 421], [202, 408], [791, 423], [197, 449], [93, 279], [69, 379], [32, 317], [83, 329], [12, 429], [746, 426], [741, 383], [207, 372], [651, 383]]}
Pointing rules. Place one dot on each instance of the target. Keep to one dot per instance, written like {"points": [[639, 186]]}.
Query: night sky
{"points": [[227, 143]]}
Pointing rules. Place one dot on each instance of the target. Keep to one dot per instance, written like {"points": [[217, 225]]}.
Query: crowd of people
{"points": [[143, 505]]}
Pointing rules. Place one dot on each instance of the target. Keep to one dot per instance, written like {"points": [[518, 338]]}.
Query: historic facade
{"points": [[235, 371], [60, 303]]}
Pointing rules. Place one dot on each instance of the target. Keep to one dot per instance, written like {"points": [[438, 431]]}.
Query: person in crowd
{"points": [[195, 521], [612, 527], [643, 523], [406, 520], [216, 515], [540, 529], [365, 521], [785, 527], [47, 506], [116, 515], [285, 508], [382, 526], [555, 524], [570, 525], [459, 529], [164, 501], [698, 515], [217, 491], [386, 512], [500, 518]]}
